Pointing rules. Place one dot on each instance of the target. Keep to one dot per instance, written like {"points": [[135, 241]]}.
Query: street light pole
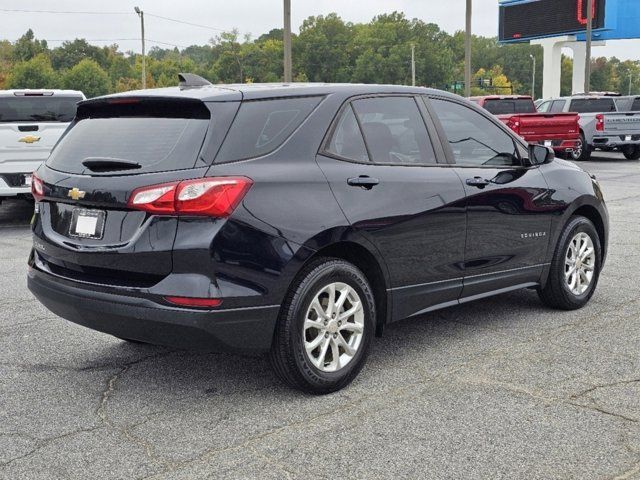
{"points": [[587, 68], [413, 64], [288, 74], [467, 51], [144, 66], [533, 78]]}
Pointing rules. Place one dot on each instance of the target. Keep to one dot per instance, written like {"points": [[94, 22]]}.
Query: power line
{"points": [[18, 10], [89, 40], [187, 23]]}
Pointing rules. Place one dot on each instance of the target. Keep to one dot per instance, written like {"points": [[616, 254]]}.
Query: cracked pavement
{"points": [[501, 388]]}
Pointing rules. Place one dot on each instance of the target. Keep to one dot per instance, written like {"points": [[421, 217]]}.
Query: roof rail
{"points": [[190, 80]]}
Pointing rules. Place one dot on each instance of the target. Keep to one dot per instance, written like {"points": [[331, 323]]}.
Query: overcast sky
{"points": [[249, 16]]}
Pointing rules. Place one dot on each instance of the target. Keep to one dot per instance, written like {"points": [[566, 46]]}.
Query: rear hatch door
{"points": [[552, 126], [113, 147], [624, 123]]}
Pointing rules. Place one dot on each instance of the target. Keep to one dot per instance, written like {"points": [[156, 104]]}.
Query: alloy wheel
{"points": [[580, 263], [333, 327]]}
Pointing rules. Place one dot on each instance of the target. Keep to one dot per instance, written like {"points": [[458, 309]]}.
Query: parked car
{"points": [[31, 122], [300, 220], [602, 125], [559, 131], [628, 104]]}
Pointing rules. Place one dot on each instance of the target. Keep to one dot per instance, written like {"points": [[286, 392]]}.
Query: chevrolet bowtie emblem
{"points": [[29, 139], [76, 194]]}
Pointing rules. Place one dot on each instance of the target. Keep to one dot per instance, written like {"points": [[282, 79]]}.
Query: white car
{"points": [[31, 122]]}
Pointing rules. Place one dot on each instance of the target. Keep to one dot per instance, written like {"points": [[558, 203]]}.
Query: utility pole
{"points": [[288, 74], [413, 64], [533, 78], [587, 68], [467, 52], [144, 66]]}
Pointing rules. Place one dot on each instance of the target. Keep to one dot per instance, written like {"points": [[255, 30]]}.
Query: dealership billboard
{"points": [[526, 20]]}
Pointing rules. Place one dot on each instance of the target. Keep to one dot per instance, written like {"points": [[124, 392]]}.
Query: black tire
{"points": [[556, 293], [584, 153], [631, 152], [288, 356]]}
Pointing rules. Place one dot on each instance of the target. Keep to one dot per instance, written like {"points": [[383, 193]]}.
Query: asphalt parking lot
{"points": [[503, 388]]}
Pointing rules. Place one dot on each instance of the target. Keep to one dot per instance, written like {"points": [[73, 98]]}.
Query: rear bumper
{"points": [[239, 330], [560, 146], [615, 141], [7, 190]]}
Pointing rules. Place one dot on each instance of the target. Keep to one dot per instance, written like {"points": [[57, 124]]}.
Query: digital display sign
{"points": [[543, 18]]}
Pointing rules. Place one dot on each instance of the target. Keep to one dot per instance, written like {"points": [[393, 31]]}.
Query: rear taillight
{"points": [[37, 188], [515, 126], [213, 197], [600, 122]]}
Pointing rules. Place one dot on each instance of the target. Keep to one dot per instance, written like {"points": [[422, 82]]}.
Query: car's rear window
{"points": [[636, 105], [46, 108], [593, 105], [155, 141], [261, 126], [510, 105]]}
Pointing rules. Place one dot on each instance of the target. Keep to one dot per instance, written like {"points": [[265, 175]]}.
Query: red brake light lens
{"points": [[37, 187], [213, 196], [600, 122]]}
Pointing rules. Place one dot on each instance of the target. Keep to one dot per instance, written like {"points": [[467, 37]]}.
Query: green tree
{"points": [[88, 77], [71, 53], [35, 73], [27, 47]]}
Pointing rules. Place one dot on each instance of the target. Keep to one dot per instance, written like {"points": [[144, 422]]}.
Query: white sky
{"points": [[252, 16]]}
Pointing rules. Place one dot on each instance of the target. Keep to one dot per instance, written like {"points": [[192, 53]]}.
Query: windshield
{"points": [[510, 105], [38, 108]]}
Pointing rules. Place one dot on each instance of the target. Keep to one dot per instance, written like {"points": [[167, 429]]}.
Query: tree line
{"points": [[327, 49]]}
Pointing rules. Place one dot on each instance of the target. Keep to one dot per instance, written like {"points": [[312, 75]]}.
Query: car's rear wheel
{"points": [[582, 151], [631, 152], [575, 267], [325, 328]]}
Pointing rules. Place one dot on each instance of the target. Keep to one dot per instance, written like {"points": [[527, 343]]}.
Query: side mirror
{"points": [[539, 154]]}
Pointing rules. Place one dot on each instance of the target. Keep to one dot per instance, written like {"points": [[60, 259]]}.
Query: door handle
{"points": [[363, 181], [477, 182]]}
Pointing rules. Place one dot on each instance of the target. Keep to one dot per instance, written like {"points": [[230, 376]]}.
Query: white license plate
{"points": [[548, 143], [87, 223], [27, 180], [627, 138]]}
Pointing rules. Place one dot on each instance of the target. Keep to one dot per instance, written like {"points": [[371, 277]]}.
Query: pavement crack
{"points": [[629, 473]]}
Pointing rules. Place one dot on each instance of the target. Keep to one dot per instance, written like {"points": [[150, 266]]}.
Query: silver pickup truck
{"points": [[31, 122], [602, 124]]}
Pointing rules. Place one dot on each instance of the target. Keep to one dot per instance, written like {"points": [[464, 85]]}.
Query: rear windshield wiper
{"points": [[99, 164]]}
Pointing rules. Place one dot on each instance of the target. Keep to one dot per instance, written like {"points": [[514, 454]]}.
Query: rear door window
{"points": [[394, 131], [557, 106], [636, 105], [38, 108], [509, 105], [346, 141], [155, 136], [261, 126], [593, 105]]}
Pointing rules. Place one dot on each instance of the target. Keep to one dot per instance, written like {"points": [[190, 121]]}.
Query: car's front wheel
{"points": [[575, 267], [325, 328]]}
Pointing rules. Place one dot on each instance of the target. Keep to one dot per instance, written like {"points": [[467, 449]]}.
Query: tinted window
{"points": [[261, 126], [636, 105], [544, 107], [593, 105], [474, 139], [509, 105], [557, 106], [157, 144], [394, 131], [347, 141], [38, 109]]}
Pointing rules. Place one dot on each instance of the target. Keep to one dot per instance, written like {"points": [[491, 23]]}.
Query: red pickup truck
{"points": [[560, 131]]}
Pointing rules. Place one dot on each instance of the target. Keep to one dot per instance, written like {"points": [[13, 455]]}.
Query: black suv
{"points": [[301, 219]]}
